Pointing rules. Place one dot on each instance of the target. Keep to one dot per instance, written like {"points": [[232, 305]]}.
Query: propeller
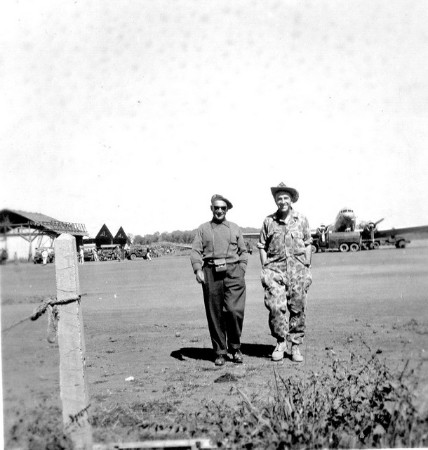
{"points": [[379, 221], [372, 225]]}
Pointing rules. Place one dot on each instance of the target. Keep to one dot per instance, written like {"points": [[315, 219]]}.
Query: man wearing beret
{"points": [[285, 254], [219, 260]]}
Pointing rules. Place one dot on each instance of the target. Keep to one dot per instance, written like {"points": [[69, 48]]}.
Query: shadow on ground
{"points": [[257, 350], [207, 354]]}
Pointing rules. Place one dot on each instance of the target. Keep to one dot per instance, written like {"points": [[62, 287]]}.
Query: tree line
{"points": [[177, 236]]}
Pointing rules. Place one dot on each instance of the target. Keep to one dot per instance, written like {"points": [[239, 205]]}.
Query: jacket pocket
{"points": [[298, 244], [276, 243]]}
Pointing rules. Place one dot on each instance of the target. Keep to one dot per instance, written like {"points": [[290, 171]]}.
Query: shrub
{"points": [[353, 405]]}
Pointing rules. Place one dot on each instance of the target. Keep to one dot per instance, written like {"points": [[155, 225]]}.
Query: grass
{"points": [[39, 429], [356, 403]]}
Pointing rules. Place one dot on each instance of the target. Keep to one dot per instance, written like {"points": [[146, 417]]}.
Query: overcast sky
{"points": [[134, 113]]}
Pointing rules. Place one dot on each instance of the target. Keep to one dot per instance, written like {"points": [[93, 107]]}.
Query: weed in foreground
{"points": [[358, 404], [354, 404]]}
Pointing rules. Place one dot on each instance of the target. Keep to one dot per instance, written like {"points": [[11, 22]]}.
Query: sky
{"points": [[134, 113]]}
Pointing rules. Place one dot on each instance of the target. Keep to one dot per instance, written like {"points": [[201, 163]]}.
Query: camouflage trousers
{"points": [[286, 285]]}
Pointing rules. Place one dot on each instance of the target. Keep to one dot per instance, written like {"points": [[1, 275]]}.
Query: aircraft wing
{"points": [[415, 232]]}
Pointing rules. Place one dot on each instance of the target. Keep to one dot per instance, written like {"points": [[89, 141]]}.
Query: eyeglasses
{"points": [[223, 208]]}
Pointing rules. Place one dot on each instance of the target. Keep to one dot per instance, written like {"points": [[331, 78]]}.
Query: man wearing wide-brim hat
{"points": [[219, 260], [285, 253]]}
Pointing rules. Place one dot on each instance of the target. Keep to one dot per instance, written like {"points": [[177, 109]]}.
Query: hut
{"points": [[21, 232]]}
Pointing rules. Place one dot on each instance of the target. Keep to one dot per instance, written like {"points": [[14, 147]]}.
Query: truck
{"points": [[110, 252], [354, 241], [88, 252], [342, 241], [136, 251], [375, 239], [397, 241]]}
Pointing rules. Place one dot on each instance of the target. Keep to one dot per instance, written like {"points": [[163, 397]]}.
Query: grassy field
{"points": [[367, 315]]}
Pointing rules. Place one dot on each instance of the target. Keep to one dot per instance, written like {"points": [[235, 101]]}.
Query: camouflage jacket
{"points": [[285, 239]]}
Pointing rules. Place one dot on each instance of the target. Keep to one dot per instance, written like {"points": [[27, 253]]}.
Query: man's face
{"points": [[283, 201], [219, 209]]}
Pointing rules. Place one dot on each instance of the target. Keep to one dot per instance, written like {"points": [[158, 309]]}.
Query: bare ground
{"points": [[146, 320]]}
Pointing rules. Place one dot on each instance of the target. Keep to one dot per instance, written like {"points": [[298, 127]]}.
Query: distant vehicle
{"points": [[110, 253], [136, 251], [353, 241], [343, 241], [398, 241], [38, 258], [88, 252]]}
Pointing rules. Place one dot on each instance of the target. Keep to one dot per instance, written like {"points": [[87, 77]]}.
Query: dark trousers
{"points": [[224, 298]]}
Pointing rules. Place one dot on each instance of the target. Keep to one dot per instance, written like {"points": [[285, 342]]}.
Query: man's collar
{"points": [[225, 222], [291, 214]]}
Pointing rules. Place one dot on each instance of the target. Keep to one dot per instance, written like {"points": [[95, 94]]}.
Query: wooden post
{"points": [[73, 382]]}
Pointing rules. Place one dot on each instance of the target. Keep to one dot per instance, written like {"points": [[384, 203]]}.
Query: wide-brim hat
{"points": [[224, 199], [294, 194]]}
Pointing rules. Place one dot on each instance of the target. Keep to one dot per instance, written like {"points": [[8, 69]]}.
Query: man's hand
{"points": [[308, 256], [263, 256], [200, 278]]}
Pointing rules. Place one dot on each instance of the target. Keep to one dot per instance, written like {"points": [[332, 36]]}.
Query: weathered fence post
{"points": [[73, 382]]}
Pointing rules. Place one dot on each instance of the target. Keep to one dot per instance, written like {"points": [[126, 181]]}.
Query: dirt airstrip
{"points": [[145, 319]]}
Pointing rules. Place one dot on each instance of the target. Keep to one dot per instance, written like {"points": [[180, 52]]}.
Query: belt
{"points": [[210, 262]]}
